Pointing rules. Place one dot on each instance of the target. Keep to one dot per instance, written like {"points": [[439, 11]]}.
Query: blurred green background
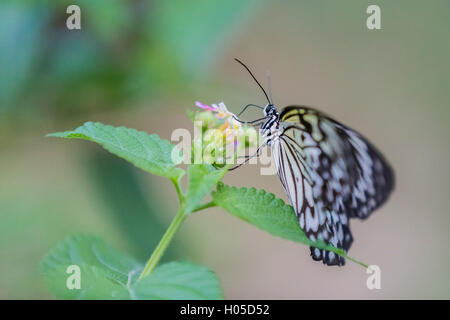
{"points": [[141, 64]]}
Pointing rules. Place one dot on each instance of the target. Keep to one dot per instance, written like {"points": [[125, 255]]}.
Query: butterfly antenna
{"points": [[269, 86], [240, 62]]}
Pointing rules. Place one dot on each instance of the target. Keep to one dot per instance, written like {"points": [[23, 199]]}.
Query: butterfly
{"points": [[330, 172]]}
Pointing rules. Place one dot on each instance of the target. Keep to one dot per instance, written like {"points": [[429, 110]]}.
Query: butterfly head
{"points": [[270, 126], [270, 110]]}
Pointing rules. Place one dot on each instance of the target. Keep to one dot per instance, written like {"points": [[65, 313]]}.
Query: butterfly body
{"points": [[329, 172]]}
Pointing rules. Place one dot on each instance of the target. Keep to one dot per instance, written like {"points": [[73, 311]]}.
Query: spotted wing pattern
{"points": [[330, 173]]}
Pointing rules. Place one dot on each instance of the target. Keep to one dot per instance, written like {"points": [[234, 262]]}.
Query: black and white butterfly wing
{"points": [[372, 178], [330, 173], [315, 219]]}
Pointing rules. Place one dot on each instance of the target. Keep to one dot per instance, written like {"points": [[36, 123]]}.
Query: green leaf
{"points": [[179, 280], [94, 284], [262, 210], [268, 213], [106, 273], [202, 178], [147, 152]]}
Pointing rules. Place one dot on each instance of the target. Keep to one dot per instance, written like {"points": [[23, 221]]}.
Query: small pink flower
{"points": [[221, 112], [204, 106]]}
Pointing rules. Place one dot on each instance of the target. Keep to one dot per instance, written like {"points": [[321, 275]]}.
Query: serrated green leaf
{"points": [[95, 284], [90, 250], [101, 267], [202, 178], [106, 273], [146, 151], [178, 280], [262, 210], [268, 213]]}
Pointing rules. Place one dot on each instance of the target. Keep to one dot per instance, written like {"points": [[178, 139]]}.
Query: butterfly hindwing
{"points": [[372, 177], [316, 217]]}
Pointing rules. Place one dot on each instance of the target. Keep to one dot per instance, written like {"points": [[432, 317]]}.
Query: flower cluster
{"points": [[223, 135]]}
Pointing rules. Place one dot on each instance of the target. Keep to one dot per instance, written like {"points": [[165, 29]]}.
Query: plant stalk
{"points": [[163, 243], [205, 206]]}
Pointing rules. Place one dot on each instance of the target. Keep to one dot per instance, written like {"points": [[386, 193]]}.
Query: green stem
{"points": [[180, 194], [205, 206], [163, 243]]}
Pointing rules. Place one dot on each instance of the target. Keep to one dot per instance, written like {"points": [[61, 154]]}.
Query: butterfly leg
{"points": [[247, 158]]}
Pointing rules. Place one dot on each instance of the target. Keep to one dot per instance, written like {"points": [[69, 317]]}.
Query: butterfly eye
{"points": [[267, 109]]}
